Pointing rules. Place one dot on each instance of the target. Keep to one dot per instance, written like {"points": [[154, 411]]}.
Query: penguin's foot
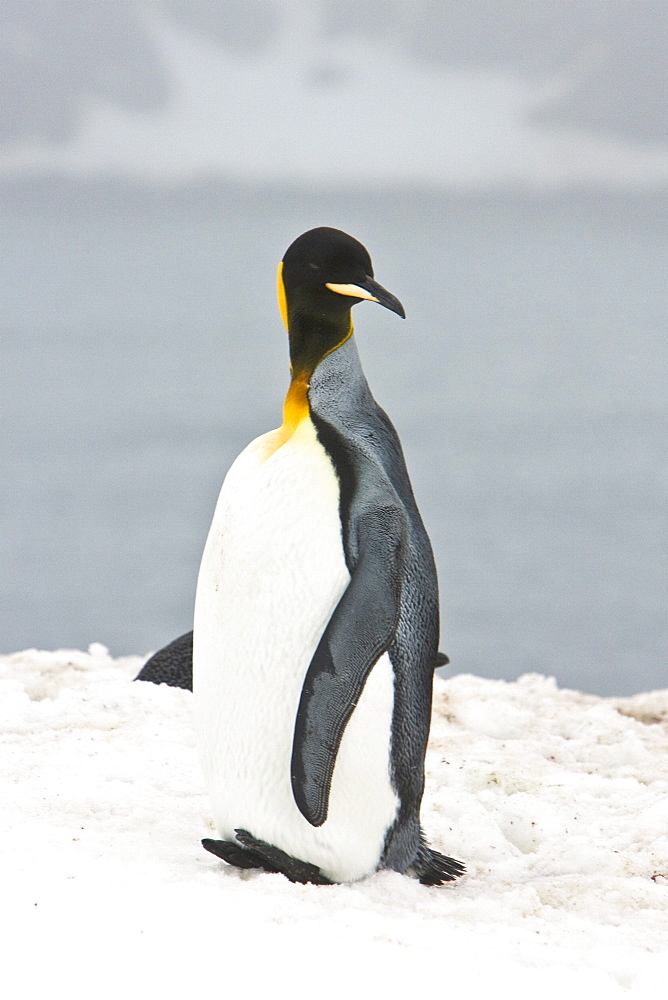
{"points": [[433, 868], [275, 860], [252, 853], [235, 855]]}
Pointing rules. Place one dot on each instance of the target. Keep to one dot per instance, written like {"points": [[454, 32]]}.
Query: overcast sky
{"points": [[57, 54]]}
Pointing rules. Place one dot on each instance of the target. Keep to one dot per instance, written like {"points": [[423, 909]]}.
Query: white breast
{"points": [[272, 572]]}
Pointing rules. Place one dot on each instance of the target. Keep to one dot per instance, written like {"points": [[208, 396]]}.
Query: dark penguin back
{"points": [[367, 455]]}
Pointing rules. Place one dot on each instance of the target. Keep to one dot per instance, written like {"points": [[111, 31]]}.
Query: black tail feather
{"points": [[433, 868]]}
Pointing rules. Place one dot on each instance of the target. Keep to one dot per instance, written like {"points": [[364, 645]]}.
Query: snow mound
{"points": [[557, 802]]}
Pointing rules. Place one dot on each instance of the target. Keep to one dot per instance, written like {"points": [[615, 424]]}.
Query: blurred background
{"points": [[507, 167]]}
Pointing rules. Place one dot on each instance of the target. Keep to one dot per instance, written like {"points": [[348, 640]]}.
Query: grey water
{"points": [[142, 349]]}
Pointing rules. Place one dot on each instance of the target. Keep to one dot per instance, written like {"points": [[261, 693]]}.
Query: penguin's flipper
{"points": [[173, 664], [441, 660], [275, 860], [360, 630]]}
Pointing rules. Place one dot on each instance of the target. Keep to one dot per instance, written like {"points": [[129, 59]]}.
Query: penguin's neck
{"points": [[312, 339], [338, 391]]}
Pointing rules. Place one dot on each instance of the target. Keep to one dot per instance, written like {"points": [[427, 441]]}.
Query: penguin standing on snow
{"points": [[316, 616]]}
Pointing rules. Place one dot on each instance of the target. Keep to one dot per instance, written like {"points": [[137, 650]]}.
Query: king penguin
{"points": [[316, 614]]}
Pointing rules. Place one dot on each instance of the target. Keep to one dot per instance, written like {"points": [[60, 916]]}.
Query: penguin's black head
{"points": [[324, 273]]}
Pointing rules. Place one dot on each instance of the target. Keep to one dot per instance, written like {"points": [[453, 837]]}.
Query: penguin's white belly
{"points": [[272, 573]]}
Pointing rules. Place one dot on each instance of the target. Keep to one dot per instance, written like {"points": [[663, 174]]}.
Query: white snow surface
{"points": [[557, 802]]}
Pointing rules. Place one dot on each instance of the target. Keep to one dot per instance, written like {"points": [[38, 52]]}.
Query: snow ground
{"points": [[555, 800]]}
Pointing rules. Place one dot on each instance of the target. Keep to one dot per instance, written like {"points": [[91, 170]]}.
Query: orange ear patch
{"points": [[282, 300]]}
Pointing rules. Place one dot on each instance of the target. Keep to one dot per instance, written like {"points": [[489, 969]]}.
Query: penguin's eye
{"points": [[314, 267]]}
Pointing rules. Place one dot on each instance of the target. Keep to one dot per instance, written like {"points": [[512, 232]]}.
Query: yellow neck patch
{"points": [[295, 409], [296, 406]]}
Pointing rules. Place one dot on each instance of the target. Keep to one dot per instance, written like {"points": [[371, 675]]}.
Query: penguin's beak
{"points": [[371, 290]]}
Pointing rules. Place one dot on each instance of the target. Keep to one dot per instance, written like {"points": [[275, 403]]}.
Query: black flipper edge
{"points": [[360, 630], [173, 664]]}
